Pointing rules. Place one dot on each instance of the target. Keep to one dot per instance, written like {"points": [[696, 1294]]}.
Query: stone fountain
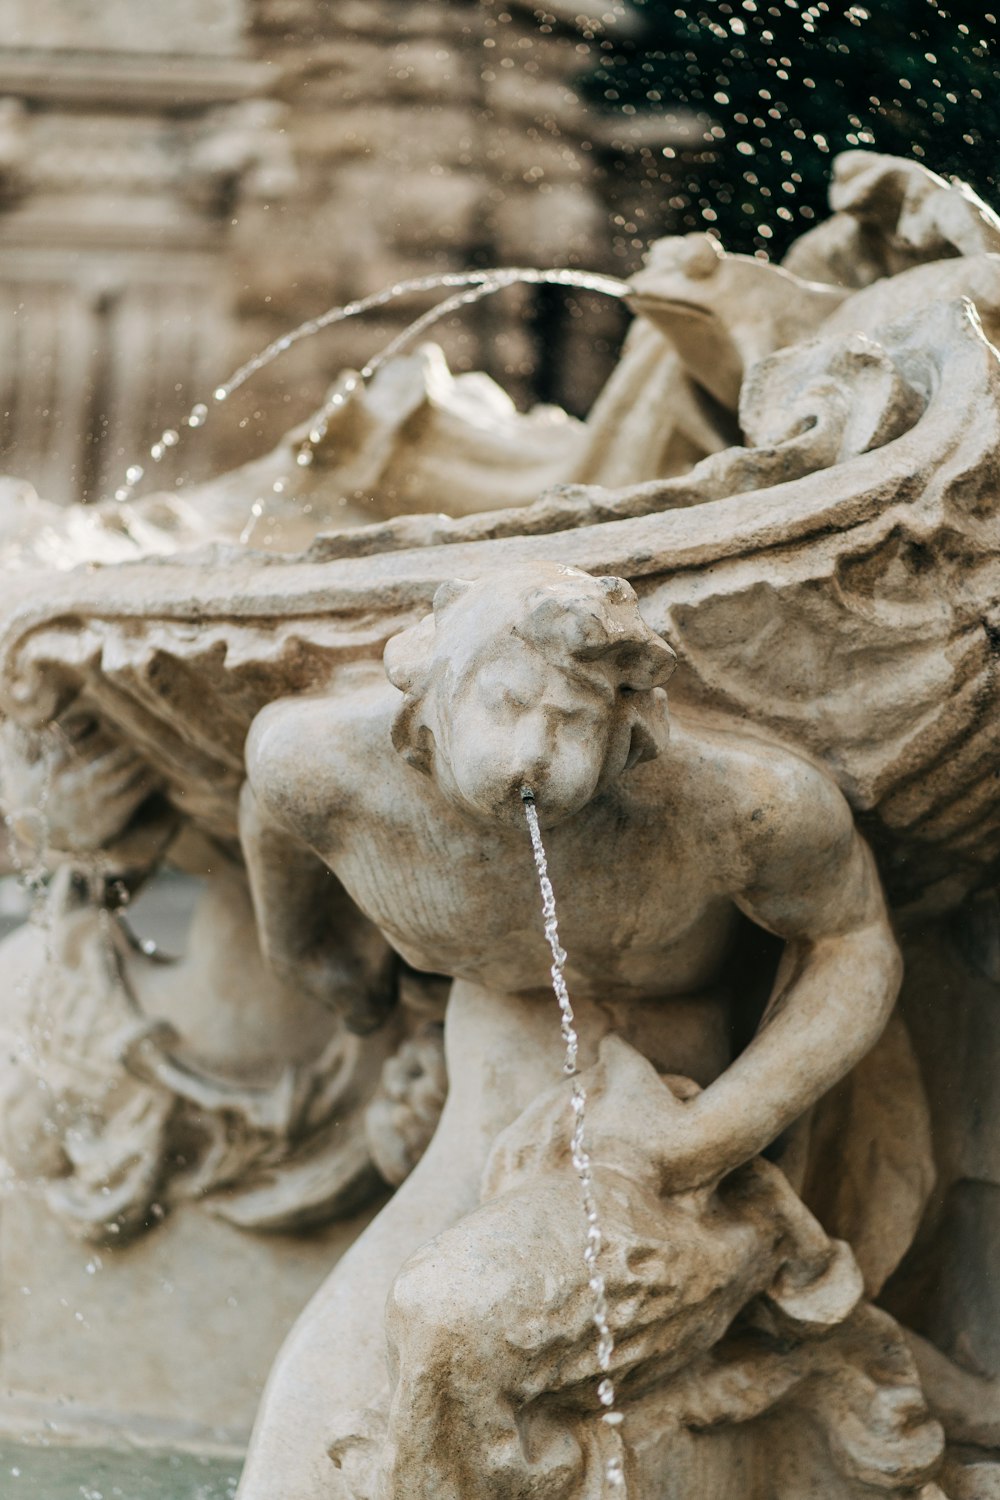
{"points": [[721, 1216]]}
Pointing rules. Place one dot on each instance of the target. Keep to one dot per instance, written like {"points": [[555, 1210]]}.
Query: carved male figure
{"points": [[660, 830]]}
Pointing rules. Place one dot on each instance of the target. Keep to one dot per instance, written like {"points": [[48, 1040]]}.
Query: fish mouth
{"points": [[641, 300], [700, 337]]}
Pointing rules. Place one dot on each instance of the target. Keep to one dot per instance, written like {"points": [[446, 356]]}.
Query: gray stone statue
{"points": [[794, 468], [661, 830]]}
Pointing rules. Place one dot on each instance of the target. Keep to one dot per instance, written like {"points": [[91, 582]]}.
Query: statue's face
{"points": [[518, 721], [537, 679]]}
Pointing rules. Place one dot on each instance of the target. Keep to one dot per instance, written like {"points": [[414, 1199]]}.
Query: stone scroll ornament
{"points": [[795, 467]]}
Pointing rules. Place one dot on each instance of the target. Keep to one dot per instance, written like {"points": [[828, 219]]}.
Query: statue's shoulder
{"points": [[761, 790], [320, 743]]}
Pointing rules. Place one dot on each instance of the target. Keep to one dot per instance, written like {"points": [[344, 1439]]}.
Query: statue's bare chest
{"points": [[464, 901]]}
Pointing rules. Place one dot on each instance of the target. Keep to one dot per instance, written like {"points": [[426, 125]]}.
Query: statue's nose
{"points": [[531, 753]]}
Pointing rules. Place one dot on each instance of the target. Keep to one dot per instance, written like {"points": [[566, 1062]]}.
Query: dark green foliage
{"points": [[779, 86]]}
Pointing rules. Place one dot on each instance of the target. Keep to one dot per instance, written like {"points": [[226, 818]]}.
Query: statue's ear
{"points": [[412, 739], [407, 663], [407, 656], [448, 592], [642, 659]]}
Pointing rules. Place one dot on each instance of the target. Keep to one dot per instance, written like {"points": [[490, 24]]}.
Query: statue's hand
{"points": [[683, 1165], [637, 1122], [643, 1122]]}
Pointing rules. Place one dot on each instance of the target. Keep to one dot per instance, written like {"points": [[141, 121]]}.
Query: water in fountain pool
{"points": [[71, 1473]]}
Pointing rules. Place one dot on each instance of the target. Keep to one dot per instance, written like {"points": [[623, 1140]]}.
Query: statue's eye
{"points": [[499, 699]]}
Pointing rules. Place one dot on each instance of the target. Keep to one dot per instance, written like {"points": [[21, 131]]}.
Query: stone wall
{"points": [[117, 155]]}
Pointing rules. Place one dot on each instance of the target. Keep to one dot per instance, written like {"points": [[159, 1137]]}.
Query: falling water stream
{"points": [[473, 287], [611, 1416]]}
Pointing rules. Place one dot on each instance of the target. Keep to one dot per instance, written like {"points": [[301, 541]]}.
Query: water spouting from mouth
{"points": [[579, 1153]]}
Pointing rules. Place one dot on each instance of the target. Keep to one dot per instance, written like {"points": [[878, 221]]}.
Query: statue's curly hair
{"points": [[574, 620]]}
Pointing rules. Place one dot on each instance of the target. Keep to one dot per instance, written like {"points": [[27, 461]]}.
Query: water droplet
{"points": [[170, 438], [156, 452], [198, 414], [304, 457], [134, 473], [220, 393]]}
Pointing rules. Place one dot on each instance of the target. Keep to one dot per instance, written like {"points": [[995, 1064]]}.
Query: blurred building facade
{"points": [[181, 183]]}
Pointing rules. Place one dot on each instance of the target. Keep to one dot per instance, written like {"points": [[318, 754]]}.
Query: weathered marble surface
{"points": [[797, 470]]}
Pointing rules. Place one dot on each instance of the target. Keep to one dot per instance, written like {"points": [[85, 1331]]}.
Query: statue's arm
{"points": [[311, 933], [809, 878]]}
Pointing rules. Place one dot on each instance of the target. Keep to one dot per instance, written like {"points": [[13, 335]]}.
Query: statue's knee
{"points": [[418, 1308], [435, 1311]]}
